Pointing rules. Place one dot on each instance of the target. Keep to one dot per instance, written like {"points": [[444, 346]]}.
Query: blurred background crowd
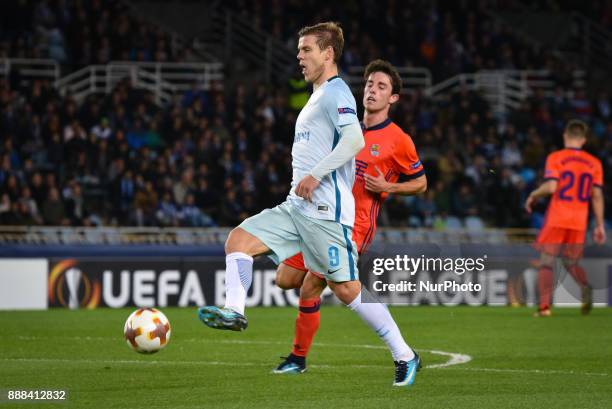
{"points": [[213, 157]]}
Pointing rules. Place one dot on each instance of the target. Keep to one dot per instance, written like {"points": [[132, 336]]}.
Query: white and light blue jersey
{"points": [[317, 132]]}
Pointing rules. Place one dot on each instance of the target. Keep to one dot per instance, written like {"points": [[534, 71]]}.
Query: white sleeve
{"points": [[341, 107], [350, 143]]}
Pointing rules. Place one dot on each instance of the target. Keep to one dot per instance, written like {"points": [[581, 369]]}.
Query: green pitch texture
{"points": [[517, 361]]}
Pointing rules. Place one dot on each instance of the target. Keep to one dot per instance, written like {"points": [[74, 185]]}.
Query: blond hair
{"points": [[329, 34]]}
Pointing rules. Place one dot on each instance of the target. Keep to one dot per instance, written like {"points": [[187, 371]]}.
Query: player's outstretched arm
{"points": [[597, 201], [378, 184], [350, 143], [546, 189]]}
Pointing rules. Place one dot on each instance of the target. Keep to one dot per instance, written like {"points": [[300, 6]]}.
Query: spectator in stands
{"points": [[29, 206], [53, 211], [465, 202], [75, 207], [184, 186], [5, 209], [145, 204], [230, 148], [191, 215], [167, 213], [102, 130]]}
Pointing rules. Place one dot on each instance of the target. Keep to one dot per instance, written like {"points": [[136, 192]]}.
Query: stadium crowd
{"points": [[448, 38], [211, 158], [214, 157], [80, 33]]}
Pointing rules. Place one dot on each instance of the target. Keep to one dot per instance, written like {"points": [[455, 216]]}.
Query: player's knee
{"points": [[346, 291], [569, 263], [232, 243], [289, 278], [546, 260], [286, 283], [241, 241], [312, 287]]}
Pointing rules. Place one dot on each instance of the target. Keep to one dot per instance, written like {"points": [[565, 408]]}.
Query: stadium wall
{"points": [[94, 276]]}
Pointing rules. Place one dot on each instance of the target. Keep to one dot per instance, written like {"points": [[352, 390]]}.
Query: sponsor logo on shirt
{"points": [[415, 164], [302, 136]]}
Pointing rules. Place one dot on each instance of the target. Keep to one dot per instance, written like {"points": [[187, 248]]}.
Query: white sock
{"points": [[238, 279], [378, 317]]}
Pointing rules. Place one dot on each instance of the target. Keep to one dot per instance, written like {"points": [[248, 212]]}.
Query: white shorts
{"points": [[327, 246]]}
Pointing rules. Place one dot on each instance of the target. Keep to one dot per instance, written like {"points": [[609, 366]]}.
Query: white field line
{"points": [[259, 364], [535, 371], [454, 360]]}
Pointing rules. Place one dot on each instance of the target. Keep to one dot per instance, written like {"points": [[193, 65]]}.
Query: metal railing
{"points": [[543, 79], [28, 68], [238, 38], [503, 89], [590, 43], [413, 78], [595, 41], [162, 79], [110, 235], [103, 78], [40, 235], [181, 75]]}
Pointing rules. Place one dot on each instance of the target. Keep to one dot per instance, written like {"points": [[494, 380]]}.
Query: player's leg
{"points": [[291, 272], [576, 271], [240, 247], [329, 249], [572, 253], [377, 316], [309, 316], [306, 325], [546, 277], [270, 231], [549, 244], [308, 319], [579, 274]]}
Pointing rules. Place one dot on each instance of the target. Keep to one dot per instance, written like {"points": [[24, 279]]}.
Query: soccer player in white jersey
{"points": [[318, 215]]}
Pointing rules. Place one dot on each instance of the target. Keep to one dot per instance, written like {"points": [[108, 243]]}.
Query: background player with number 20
{"points": [[574, 178]]}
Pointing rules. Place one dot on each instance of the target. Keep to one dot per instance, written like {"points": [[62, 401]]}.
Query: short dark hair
{"points": [[387, 68], [576, 128], [329, 34]]}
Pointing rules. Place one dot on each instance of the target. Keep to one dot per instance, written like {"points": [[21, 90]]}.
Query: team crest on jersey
{"points": [[375, 149]]}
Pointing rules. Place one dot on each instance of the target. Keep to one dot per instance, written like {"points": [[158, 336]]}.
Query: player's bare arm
{"points": [[597, 201], [378, 184], [546, 189]]}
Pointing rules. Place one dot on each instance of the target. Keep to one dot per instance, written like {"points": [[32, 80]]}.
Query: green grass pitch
{"points": [[517, 361]]}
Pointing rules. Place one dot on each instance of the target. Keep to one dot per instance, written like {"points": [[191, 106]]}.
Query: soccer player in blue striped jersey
{"points": [[318, 216]]}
